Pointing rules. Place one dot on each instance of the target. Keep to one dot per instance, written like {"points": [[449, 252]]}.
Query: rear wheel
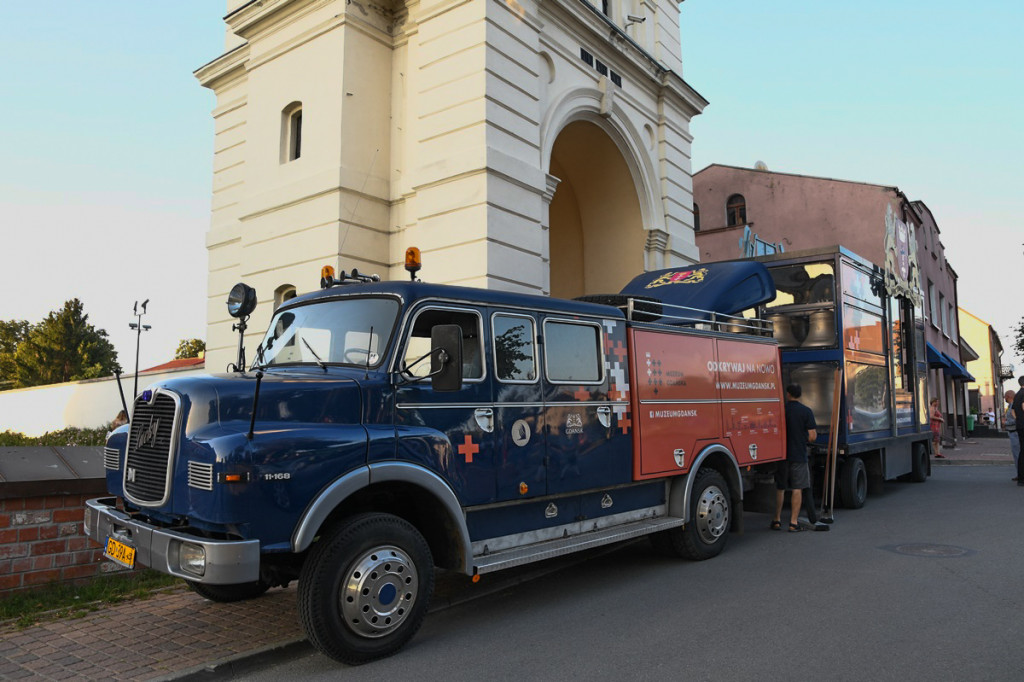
{"points": [[918, 463], [229, 593], [708, 529], [365, 587], [853, 483]]}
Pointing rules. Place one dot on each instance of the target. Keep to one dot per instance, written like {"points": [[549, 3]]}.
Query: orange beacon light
{"points": [[412, 261]]}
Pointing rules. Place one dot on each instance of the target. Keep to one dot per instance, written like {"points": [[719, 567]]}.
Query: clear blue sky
{"points": [[107, 142]]}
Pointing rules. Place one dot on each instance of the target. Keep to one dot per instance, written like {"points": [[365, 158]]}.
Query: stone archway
{"points": [[596, 236]]}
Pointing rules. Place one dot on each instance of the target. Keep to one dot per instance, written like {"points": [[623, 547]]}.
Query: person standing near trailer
{"points": [[793, 474], [1010, 424], [936, 422], [1018, 417]]}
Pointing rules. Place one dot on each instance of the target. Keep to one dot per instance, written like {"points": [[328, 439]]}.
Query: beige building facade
{"points": [[541, 147], [986, 391]]}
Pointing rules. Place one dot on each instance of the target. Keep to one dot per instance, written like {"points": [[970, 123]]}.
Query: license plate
{"points": [[120, 552]]}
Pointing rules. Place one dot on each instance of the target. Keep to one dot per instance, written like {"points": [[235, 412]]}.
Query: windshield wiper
{"points": [[318, 360]]}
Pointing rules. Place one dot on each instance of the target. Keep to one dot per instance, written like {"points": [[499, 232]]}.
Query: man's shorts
{"points": [[792, 476]]}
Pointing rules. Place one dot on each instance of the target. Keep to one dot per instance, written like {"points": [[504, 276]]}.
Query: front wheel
{"points": [[364, 588], [706, 533], [229, 593]]}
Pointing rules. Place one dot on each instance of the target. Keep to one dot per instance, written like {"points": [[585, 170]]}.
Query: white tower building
{"points": [[532, 145]]}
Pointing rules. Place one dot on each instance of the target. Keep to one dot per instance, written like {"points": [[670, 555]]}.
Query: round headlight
{"points": [[241, 300]]}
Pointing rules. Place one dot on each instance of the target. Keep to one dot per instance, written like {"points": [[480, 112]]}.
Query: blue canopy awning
{"points": [[936, 358], [957, 371], [727, 287]]}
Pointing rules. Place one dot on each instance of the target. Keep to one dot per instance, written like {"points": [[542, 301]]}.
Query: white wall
{"points": [[84, 404]]}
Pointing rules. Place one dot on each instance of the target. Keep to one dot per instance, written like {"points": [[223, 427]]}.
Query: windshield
{"points": [[351, 331]]}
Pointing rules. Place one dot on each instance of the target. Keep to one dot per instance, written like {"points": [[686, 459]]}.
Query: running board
{"points": [[518, 556]]}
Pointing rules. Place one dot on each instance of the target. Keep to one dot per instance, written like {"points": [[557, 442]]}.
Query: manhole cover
{"points": [[929, 550]]}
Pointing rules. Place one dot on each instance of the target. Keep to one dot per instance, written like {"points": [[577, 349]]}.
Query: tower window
{"points": [[736, 210], [291, 132], [696, 218]]}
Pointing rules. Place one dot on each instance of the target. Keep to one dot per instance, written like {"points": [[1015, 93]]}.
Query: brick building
{"points": [[750, 211]]}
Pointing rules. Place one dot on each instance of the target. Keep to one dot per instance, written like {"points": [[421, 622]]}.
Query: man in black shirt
{"points": [[793, 474], [1018, 415]]}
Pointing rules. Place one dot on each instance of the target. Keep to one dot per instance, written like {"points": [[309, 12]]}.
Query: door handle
{"points": [[604, 415], [485, 418]]}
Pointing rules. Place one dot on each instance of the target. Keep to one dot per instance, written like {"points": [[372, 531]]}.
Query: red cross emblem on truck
{"points": [[469, 448]]}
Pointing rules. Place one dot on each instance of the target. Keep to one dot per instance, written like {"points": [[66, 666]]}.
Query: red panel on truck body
{"points": [[692, 390]]}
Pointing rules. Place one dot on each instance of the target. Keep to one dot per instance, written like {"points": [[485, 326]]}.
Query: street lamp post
{"points": [[139, 328]]}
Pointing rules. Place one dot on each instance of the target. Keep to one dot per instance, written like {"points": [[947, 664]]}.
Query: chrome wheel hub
{"points": [[712, 516], [379, 592]]}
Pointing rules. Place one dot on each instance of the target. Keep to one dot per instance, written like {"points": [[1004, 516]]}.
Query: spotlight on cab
{"points": [[241, 300]]}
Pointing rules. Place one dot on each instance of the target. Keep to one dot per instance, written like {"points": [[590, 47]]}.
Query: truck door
{"points": [[451, 433], [518, 406], [586, 393]]}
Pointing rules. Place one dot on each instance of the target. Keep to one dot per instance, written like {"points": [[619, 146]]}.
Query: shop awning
{"points": [[956, 370], [937, 359]]}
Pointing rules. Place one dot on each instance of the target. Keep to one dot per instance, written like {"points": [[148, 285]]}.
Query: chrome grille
{"points": [[200, 475], [111, 459], [151, 446]]}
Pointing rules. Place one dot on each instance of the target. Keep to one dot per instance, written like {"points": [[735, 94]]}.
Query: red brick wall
{"points": [[41, 541]]}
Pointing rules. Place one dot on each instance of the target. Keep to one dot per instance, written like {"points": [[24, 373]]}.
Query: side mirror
{"points": [[446, 357]]}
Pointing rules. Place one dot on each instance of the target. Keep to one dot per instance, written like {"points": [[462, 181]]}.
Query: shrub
{"points": [[69, 436]]}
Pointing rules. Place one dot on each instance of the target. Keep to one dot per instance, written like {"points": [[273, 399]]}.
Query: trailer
{"points": [[852, 335]]}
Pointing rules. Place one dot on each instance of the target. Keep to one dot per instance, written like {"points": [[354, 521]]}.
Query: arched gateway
{"points": [[533, 146]]}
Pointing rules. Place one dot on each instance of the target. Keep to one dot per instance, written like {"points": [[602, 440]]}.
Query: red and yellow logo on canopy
{"points": [[680, 277]]}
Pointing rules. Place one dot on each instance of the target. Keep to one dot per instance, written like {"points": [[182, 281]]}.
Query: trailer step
{"points": [[518, 556]]}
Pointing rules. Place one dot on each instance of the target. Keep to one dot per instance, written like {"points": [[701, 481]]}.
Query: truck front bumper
{"points": [[225, 562]]}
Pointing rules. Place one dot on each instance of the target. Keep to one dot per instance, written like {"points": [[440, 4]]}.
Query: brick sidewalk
{"points": [[171, 634], [974, 451]]}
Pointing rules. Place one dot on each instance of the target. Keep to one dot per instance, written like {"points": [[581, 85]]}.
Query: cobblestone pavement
{"points": [[177, 634], [171, 634]]}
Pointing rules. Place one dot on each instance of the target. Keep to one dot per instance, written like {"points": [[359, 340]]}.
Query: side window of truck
{"points": [[515, 348], [418, 343], [572, 352]]}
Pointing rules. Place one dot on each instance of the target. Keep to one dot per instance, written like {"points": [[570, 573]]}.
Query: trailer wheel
{"points": [[364, 588], [707, 532], [229, 593], [918, 463], [853, 483]]}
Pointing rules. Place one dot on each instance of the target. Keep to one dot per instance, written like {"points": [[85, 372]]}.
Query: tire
{"points": [[918, 463], [706, 534], [365, 587], [229, 593], [853, 483]]}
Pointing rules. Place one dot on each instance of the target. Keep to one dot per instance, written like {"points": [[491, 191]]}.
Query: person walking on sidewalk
{"points": [[1018, 417], [1010, 424], [793, 474], [936, 421]]}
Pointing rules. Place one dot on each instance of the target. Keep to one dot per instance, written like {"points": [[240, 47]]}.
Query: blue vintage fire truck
{"points": [[385, 428]]}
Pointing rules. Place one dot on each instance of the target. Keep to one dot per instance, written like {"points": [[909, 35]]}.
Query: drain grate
{"points": [[930, 550]]}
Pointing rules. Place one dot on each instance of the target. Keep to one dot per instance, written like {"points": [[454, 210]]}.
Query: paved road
{"points": [[923, 583]]}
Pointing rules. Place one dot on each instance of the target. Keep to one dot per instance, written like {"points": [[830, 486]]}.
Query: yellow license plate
{"points": [[120, 552]]}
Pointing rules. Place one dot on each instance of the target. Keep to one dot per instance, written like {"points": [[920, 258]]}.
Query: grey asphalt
{"points": [[858, 602]]}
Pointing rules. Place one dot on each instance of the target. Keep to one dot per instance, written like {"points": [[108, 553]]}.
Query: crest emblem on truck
{"points": [[573, 424]]}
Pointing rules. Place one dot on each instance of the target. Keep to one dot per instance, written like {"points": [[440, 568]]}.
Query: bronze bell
{"points": [[782, 330], [822, 331], [816, 381]]}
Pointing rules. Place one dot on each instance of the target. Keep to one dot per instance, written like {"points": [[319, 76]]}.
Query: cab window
{"points": [[572, 352], [418, 343], [514, 349]]}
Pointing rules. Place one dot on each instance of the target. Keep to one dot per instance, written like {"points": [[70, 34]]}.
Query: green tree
{"points": [[1018, 334], [64, 347], [12, 333], [190, 348]]}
